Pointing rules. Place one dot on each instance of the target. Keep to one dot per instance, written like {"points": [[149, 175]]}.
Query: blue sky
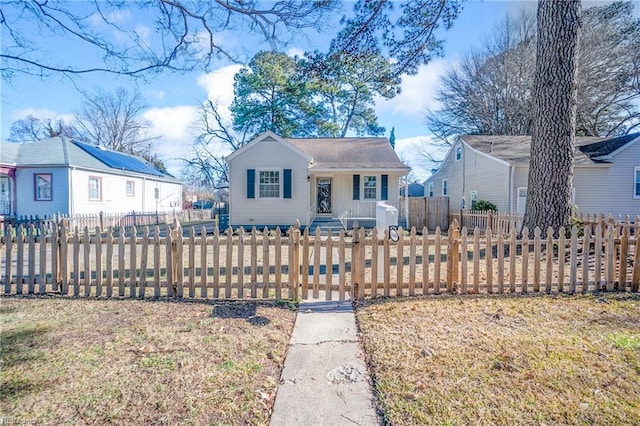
{"points": [[173, 99]]}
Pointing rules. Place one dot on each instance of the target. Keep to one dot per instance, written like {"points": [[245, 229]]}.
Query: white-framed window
{"points": [[459, 153], [521, 202], [370, 187], [445, 188], [269, 183], [636, 182], [42, 187], [95, 188], [131, 188], [430, 189]]}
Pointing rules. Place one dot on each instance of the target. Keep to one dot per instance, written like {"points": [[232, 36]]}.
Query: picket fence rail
{"points": [[172, 262]]}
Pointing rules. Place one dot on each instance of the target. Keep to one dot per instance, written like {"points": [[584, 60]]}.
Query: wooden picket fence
{"points": [[155, 262]]}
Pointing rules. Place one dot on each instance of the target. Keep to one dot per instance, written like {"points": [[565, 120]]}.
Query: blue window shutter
{"points": [[251, 183], [356, 187], [384, 187], [287, 183]]}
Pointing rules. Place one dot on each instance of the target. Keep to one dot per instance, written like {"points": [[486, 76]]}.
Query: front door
{"points": [[324, 195]]}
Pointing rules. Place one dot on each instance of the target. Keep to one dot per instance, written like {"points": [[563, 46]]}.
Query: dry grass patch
{"points": [[510, 360], [141, 362]]}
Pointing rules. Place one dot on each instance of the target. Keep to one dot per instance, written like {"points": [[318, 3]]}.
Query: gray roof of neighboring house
{"points": [[416, 189], [58, 151], [349, 153], [517, 149]]}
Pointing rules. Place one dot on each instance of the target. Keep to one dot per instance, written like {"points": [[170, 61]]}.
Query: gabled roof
{"points": [[268, 135], [517, 149], [61, 151], [349, 153]]}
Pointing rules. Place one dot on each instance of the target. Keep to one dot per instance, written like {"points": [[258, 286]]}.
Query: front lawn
{"points": [[505, 360], [140, 362]]}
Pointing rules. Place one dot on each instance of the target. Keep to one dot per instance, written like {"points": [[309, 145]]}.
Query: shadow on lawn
{"points": [[240, 310], [21, 346]]}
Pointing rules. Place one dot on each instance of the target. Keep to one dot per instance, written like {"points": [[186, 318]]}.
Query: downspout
{"points": [[512, 177], [144, 185], [464, 178], [71, 203], [406, 201]]}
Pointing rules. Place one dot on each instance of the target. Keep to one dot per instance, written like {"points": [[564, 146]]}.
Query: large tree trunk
{"points": [[554, 115]]}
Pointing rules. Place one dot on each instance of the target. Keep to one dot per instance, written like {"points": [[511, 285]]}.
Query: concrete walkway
{"points": [[325, 380]]}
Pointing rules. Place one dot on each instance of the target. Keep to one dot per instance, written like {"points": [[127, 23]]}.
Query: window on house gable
{"points": [[445, 189], [131, 188], [95, 188], [269, 181], [370, 187], [42, 186], [459, 153], [430, 189], [636, 186]]}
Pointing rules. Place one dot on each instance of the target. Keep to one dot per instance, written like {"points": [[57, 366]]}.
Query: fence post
{"points": [[355, 266], [453, 251]]}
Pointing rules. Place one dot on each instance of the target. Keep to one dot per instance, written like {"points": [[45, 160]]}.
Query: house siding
{"points": [[268, 154], [474, 172], [599, 188], [26, 203], [608, 188], [114, 198]]}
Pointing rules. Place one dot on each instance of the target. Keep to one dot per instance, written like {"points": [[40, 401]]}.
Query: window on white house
{"points": [[269, 181], [636, 186], [430, 189], [459, 153], [473, 195], [445, 189], [131, 188], [42, 186], [370, 187], [95, 188]]}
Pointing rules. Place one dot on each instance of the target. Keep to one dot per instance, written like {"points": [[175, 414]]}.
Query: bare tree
{"points": [[207, 167], [31, 129], [491, 91], [114, 121], [185, 32], [554, 115]]}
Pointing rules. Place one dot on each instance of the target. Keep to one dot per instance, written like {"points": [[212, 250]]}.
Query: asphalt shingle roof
{"points": [[58, 151], [349, 153], [517, 149]]}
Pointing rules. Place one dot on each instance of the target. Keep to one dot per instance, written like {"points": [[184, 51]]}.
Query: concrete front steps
{"points": [[333, 223]]}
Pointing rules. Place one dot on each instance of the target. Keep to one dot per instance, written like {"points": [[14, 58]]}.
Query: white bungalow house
{"points": [[275, 181], [496, 169], [60, 175]]}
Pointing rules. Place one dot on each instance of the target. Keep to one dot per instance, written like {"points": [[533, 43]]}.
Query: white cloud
{"points": [[41, 113], [219, 84], [219, 87], [294, 51], [418, 92], [177, 131]]}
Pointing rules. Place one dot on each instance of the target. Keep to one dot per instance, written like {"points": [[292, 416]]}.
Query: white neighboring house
{"points": [[496, 169], [275, 181], [60, 175]]}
